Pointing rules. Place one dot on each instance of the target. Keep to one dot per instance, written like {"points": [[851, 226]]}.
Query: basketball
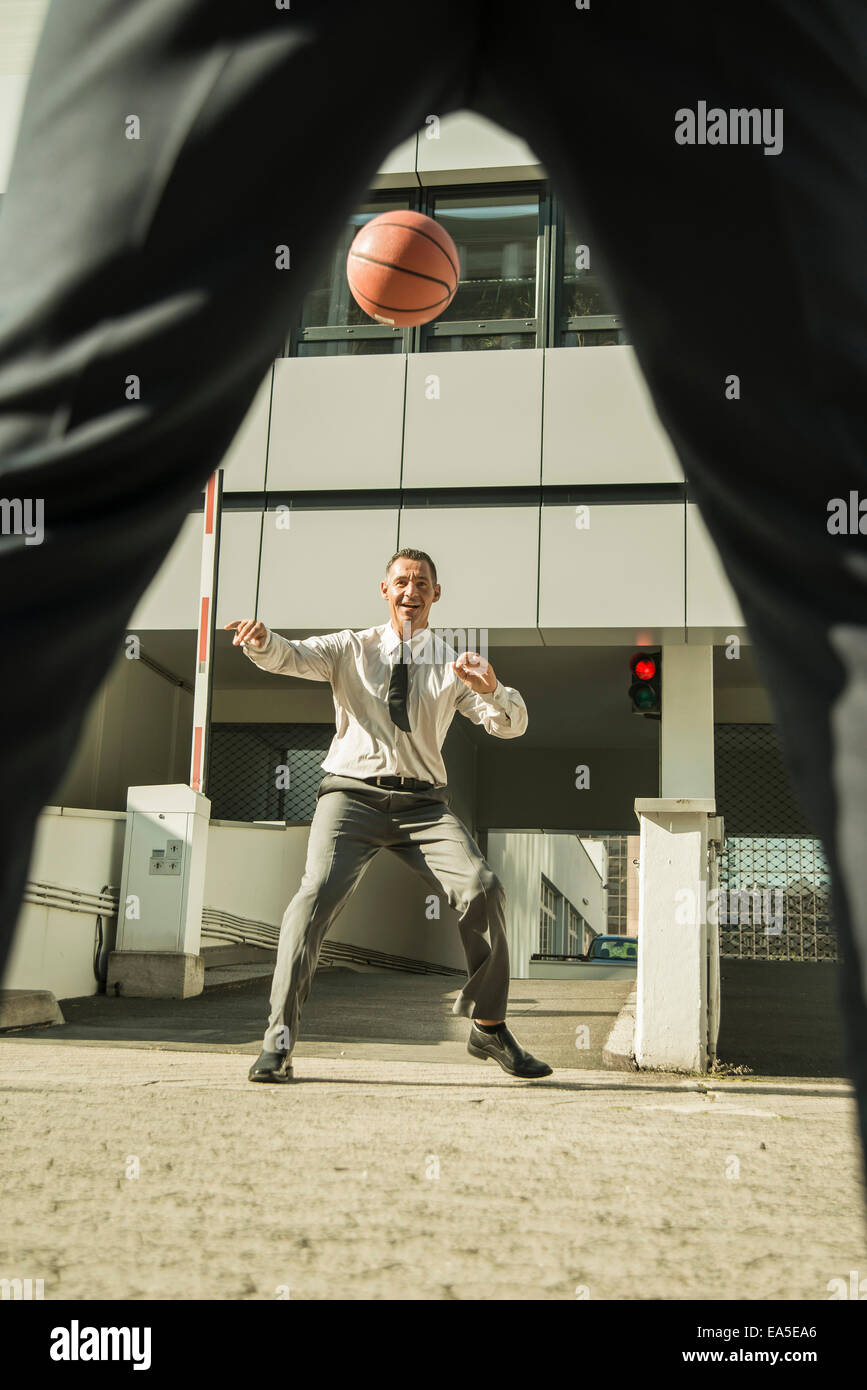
{"points": [[402, 268]]}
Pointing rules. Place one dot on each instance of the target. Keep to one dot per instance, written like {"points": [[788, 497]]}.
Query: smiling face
{"points": [[409, 591]]}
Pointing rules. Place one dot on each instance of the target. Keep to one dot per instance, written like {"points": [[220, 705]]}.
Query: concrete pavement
{"points": [[140, 1162], [141, 1173]]}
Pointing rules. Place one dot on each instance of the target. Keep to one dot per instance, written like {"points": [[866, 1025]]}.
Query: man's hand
{"points": [[254, 633], [475, 672]]}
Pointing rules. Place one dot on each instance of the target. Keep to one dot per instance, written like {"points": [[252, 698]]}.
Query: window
{"points": [[525, 281], [586, 316], [498, 240], [575, 941], [617, 872], [441, 340], [332, 324], [561, 927], [548, 918]]}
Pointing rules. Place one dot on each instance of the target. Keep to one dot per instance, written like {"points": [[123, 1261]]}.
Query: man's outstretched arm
{"points": [[313, 658], [486, 701]]}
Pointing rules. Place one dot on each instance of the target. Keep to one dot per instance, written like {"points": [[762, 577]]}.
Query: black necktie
{"points": [[398, 688]]}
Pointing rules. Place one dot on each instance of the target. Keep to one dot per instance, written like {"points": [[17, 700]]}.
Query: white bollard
{"points": [[671, 1013]]}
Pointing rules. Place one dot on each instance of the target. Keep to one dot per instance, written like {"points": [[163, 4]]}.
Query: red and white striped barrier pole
{"points": [[207, 623]]}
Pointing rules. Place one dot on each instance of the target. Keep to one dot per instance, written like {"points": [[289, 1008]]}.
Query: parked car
{"points": [[614, 950]]}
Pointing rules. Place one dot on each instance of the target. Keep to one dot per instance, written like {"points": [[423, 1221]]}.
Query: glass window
{"points": [[582, 292], [588, 316], [575, 943], [330, 301], [499, 301], [594, 337], [496, 237], [547, 917]]}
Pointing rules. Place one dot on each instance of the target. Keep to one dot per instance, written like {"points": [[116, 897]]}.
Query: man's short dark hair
{"points": [[409, 554]]}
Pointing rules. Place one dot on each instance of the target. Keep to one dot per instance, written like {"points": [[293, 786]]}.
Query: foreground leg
{"points": [[731, 263], [168, 150]]}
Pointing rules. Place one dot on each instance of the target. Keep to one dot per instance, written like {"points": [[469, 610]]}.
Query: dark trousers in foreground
{"points": [[351, 823], [261, 128]]}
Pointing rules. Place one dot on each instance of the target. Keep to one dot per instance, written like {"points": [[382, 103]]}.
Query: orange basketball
{"points": [[402, 268]]}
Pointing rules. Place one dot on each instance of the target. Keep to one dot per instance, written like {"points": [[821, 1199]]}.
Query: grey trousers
{"points": [[353, 820]]}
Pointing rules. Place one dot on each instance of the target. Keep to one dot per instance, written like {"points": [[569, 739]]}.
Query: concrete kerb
{"points": [[618, 1052], [28, 1008]]}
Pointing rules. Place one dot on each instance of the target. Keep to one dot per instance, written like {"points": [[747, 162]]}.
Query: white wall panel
{"points": [[244, 460], [624, 570], [600, 422], [387, 912], [486, 559], [172, 598], [336, 422], [239, 566], [323, 572], [470, 149], [710, 599], [53, 949], [137, 732], [483, 428]]}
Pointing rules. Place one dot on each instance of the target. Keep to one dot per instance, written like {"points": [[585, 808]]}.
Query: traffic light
{"points": [[645, 691]]}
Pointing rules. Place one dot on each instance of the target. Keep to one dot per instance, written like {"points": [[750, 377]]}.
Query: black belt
{"points": [[407, 784]]}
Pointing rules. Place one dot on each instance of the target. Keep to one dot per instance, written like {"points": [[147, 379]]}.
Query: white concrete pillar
{"points": [[716, 843], [671, 1013], [686, 726], [677, 985]]}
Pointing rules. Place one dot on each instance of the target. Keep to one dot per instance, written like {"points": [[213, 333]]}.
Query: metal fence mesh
{"points": [[266, 772], [776, 900], [775, 897]]}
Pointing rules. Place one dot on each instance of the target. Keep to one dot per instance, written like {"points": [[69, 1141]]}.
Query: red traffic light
{"points": [[645, 692], [643, 667]]}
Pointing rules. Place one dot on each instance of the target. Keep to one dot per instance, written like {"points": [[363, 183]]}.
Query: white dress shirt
{"points": [[358, 666]]}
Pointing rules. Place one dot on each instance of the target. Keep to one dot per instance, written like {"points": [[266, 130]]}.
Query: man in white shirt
{"points": [[396, 689]]}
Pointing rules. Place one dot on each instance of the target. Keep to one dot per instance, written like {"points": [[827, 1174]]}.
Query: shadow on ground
{"points": [[373, 1015], [780, 1017], [777, 1018]]}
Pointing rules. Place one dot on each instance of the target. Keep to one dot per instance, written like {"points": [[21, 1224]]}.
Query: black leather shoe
{"points": [[504, 1048], [272, 1066]]}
